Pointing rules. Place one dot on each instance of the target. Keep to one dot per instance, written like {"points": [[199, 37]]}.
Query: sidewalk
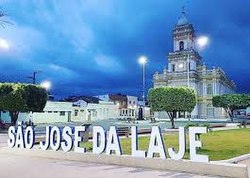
{"points": [[27, 166]]}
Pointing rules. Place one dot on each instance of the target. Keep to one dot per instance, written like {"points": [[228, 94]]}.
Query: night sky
{"points": [[91, 47]]}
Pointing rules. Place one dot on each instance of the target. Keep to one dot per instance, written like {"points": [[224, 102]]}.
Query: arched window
{"points": [[181, 45]]}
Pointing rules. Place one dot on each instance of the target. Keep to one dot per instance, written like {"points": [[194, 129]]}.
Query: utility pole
{"points": [[33, 77]]}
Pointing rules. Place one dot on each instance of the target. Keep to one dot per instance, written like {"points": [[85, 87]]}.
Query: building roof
{"points": [[58, 106], [87, 99], [119, 97], [183, 19]]}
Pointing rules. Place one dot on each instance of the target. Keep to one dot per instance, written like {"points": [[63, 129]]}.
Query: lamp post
{"points": [[143, 61], [201, 42], [46, 84]]}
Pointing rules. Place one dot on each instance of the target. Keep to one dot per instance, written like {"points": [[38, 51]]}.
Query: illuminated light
{"points": [[46, 85], [202, 41], [4, 44], [143, 60]]}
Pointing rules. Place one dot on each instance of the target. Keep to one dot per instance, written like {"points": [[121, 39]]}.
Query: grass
{"points": [[218, 145]]}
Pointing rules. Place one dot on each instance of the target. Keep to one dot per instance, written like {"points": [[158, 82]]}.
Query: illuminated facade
{"points": [[185, 68]]}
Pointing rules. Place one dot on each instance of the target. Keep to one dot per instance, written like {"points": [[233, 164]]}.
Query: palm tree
{"points": [[2, 21]]}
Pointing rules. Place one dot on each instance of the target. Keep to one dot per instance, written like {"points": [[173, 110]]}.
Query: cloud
{"points": [[23, 41], [92, 46]]}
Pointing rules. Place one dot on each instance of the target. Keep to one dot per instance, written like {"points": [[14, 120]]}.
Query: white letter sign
{"points": [[193, 131]]}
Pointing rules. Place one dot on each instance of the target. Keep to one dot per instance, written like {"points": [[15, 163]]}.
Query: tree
{"points": [[2, 21], [172, 100], [230, 102], [16, 97]]}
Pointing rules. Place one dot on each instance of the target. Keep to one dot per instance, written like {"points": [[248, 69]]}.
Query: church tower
{"points": [[184, 57], [185, 69]]}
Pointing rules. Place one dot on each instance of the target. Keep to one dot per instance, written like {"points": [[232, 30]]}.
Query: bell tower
{"points": [[184, 58], [183, 34]]}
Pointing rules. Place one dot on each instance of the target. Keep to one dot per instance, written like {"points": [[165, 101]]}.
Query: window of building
{"points": [[209, 89], [94, 113], [130, 102], [181, 45], [76, 113], [62, 113], [55, 112], [173, 67], [210, 111], [49, 111]]}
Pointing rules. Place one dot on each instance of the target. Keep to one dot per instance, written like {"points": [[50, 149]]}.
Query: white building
{"points": [[77, 111], [185, 68], [128, 105], [53, 112]]}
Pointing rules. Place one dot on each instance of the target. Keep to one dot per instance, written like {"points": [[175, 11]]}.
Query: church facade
{"points": [[185, 68]]}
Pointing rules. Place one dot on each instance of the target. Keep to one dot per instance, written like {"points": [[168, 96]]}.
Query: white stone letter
{"points": [[29, 137], [78, 139], [44, 145], [55, 138], [156, 143], [113, 142], [12, 136], [182, 146], [196, 143], [67, 144], [20, 137], [134, 144], [99, 139]]}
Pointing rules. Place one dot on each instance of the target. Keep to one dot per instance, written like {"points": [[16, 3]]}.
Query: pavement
{"points": [[12, 166], [3, 140]]}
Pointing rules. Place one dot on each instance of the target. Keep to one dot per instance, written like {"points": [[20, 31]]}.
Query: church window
{"points": [[209, 89], [210, 110], [173, 67], [181, 45]]}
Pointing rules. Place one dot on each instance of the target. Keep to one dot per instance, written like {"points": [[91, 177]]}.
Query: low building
{"points": [[88, 108], [53, 112], [128, 105], [73, 109]]}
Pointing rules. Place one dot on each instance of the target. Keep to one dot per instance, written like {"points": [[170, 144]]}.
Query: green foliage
{"points": [[36, 98], [16, 97], [172, 100], [231, 102]]}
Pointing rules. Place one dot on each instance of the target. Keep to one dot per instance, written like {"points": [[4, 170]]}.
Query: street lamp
{"points": [[143, 61], [201, 43], [46, 84], [4, 44]]}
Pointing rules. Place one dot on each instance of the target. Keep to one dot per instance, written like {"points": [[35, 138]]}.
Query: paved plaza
{"points": [[12, 166], [29, 167]]}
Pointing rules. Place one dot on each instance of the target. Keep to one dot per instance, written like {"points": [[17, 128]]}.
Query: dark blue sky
{"points": [[91, 47]]}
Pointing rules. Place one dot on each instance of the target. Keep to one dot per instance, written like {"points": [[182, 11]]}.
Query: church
{"points": [[186, 69]]}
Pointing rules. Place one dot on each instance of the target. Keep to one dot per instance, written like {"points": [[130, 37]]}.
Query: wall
{"points": [[45, 117]]}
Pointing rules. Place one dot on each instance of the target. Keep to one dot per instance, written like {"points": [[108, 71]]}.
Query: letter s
{"points": [[12, 136]]}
